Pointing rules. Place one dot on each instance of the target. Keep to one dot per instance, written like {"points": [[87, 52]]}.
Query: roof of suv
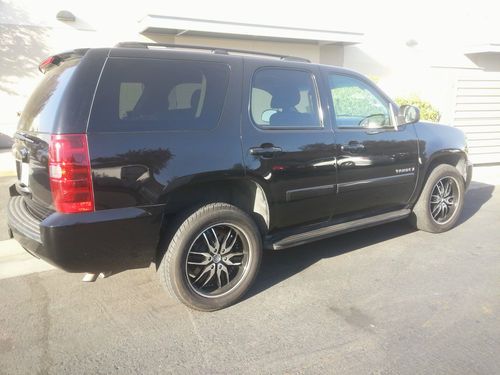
{"points": [[214, 50], [145, 49]]}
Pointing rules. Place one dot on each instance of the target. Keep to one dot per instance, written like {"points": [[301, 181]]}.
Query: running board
{"points": [[336, 229]]}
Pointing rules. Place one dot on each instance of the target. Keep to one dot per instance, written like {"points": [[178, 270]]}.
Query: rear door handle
{"points": [[267, 152]]}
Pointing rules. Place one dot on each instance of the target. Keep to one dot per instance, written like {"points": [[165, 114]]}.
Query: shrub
{"points": [[427, 111], [353, 101]]}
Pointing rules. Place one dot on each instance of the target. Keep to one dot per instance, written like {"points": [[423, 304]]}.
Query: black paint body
{"points": [[320, 176]]}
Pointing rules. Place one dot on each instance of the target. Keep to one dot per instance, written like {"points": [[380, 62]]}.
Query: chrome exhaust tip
{"points": [[90, 277]]}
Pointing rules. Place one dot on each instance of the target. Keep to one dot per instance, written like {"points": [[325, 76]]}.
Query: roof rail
{"points": [[215, 50]]}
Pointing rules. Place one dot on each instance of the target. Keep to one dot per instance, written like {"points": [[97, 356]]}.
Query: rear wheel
{"points": [[441, 201], [213, 257]]}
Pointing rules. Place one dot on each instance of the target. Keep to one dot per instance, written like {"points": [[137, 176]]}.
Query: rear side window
{"points": [[284, 98], [149, 94], [42, 107]]}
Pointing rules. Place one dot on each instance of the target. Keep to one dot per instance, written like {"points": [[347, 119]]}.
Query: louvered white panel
{"points": [[482, 136], [477, 99], [478, 84], [485, 159], [473, 143], [462, 107], [477, 113], [478, 92], [476, 121], [489, 129], [485, 150]]}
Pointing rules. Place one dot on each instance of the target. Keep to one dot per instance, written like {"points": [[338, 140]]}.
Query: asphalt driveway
{"points": [[386, 300]]}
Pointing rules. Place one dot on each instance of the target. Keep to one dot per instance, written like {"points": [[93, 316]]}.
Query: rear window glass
{"points": [[41, 109], [148, 94]]}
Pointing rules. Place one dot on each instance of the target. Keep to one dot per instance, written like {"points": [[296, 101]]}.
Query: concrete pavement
{"points": [[386, 300], [7, 163], [15, 261]]}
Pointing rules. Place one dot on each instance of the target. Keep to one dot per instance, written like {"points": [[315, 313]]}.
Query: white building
{"points": [[445, 52]]}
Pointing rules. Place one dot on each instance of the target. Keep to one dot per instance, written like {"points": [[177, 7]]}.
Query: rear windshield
{"points": [[149, 94], [41, 109]]}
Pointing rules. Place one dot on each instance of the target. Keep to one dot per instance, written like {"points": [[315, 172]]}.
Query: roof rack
{"points": [[215, 50]]}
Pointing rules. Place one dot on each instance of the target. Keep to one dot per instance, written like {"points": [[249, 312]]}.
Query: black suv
{"points": [[197, 158]]}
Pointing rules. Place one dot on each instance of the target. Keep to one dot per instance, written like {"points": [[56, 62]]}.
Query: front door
{"points": [[377, 161], [288, 145]]}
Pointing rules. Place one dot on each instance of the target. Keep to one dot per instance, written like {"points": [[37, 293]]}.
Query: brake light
{"points": [[48, 63], [69, 170]]}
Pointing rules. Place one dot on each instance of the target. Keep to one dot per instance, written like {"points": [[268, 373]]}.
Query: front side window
{"points": [[153, 94], [356, 104], [284, 98]]}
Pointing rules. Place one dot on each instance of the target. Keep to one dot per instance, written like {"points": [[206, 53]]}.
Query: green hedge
{"points": [[427, 111], [353, 101]]}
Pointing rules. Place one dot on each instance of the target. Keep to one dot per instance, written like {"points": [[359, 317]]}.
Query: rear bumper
{"points": [[102, 241]]}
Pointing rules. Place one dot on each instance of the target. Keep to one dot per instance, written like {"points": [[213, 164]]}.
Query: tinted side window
{"points": [[357, 104], [284, 97], [149, 94]]}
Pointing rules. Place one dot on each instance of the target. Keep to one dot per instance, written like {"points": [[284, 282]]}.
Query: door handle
{"points": [[353, 147], [267, 152]]}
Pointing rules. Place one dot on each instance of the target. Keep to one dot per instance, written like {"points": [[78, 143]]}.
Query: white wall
{"points": [[418, 48]]}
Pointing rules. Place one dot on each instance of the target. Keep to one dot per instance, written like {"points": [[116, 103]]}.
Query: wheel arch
{"points": [[244, 193], [454, 157]]}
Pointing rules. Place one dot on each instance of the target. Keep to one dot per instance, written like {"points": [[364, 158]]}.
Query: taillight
{"points": [[69, 170]]}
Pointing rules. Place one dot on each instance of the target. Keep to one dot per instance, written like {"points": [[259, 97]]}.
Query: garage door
{"points": [[477, 113]]}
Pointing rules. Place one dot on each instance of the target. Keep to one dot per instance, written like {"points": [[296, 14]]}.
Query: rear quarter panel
{"points": [[141, 168]]}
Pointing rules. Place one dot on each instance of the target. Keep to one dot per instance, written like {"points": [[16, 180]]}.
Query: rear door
{"points": [[377, 162], [60, 104], [288, 144], [161, 121]]}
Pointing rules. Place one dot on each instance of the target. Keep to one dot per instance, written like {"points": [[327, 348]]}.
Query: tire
{"points": [[426, 215], [213, 257]]}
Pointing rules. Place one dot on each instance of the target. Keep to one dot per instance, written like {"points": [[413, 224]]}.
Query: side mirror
{"points": [[408, 114]]}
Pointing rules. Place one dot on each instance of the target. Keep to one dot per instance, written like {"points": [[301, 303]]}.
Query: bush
{"points": [[427, 111], [353, 101]]}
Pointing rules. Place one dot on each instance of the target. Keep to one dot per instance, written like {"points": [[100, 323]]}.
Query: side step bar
{"points": [[336, 229]]}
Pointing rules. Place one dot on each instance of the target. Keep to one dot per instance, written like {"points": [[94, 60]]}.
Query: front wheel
{"points": [[213, 257], [441, 201]]}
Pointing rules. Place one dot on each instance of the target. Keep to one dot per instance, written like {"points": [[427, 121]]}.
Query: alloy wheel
{"points": [[217, 260], [444, 200]]}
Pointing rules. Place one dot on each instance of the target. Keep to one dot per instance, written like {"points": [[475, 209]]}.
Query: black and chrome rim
{"points": [[444, 200], [217, 260]]}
